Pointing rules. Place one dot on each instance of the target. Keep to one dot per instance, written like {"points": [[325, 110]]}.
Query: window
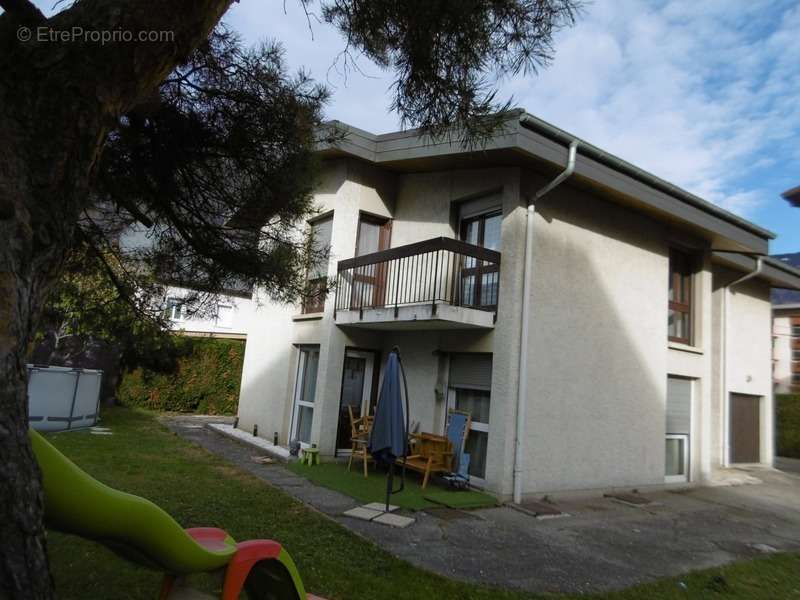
{"points": [[469, 390], [795, 354], [176, 309], [679, 324], [677, 458], [678, 428], [795, 330], [795, 377], [305, 388], [317, 276], [479, 279], [224, 316]]}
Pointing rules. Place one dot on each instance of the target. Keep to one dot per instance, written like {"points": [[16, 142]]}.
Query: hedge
{"points": [[206, 380], [788, 424]]}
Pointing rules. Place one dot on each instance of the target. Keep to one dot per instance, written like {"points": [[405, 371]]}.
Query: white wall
{"points": [[749, 368], [598, 346]]}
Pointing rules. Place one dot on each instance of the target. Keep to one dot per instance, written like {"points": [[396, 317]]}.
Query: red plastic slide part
{"points": [[210, 538], [246, 557]]}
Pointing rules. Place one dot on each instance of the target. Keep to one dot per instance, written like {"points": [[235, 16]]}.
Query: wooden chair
{"points": [[360, 428], [431, 453]]}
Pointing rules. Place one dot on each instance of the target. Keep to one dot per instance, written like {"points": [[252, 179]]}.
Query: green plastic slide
{"points": [[140, 531], [77, 503]]}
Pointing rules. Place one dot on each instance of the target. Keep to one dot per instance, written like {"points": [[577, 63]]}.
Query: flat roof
{"points": [[776, 272], [524, 139]]}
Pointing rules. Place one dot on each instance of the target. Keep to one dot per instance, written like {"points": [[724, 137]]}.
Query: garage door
{"points": [[745, 428]]}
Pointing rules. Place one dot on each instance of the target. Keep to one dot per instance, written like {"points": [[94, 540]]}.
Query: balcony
{"points": [[435, 284]]}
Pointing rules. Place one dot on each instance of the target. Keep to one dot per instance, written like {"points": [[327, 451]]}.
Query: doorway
{"points": [[357, 388], [745, 428], [480, 279], [369, 281], [305, 389]]}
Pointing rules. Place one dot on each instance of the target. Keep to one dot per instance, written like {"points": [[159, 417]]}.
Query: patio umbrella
{"points": [[388, 439]]}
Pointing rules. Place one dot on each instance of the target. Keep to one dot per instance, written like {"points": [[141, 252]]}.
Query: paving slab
{"points": [[363, 513], [394, 520], [603, 546], [380, 506]]}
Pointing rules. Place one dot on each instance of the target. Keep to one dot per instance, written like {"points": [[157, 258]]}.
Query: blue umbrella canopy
{"points": [[387, 441]]}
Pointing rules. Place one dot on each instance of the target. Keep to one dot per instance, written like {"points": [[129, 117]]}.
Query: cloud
{"points": [[698, 93], [702, 94]]}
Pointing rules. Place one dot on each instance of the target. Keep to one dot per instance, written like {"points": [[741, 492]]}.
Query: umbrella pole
{"points": [[389, 485]]}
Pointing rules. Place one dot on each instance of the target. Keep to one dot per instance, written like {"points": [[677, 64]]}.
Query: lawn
{"points": [[373, 488], [198, 489]]}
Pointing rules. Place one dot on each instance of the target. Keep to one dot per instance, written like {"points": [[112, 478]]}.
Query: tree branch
{"points": [[22, 11]]}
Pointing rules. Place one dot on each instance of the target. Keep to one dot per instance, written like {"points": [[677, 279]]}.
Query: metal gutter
{"points": [[527, 280], [590, 151]]}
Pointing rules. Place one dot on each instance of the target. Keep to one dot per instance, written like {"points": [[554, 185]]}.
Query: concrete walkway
{"points": [[604, 544]]}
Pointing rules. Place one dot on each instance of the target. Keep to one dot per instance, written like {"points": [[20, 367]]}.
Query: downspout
{"points": [[724, 354], [522, 386]]}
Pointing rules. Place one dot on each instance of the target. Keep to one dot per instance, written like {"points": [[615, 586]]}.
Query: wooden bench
{"points": [[429, 453]]}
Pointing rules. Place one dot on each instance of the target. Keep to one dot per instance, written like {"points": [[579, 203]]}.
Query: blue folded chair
{"points": [[458, 424]]}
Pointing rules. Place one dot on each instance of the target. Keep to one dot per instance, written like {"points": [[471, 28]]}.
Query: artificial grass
{"points": [[199, 489], [335, 476]]}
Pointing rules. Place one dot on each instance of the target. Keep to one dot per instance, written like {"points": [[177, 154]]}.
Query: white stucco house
{"points": [[227, 318], [603, 327]]}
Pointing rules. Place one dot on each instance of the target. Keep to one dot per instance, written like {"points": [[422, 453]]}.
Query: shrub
{"points": [[788, 424], [206, 380]]}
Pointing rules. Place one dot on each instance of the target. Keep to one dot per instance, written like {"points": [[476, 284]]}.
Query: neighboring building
{"points": [[642, 366], [792, 196], [227, 319], [786, 333]]}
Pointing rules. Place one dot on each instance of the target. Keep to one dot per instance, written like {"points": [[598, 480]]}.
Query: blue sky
{"points": [[705, 94]]}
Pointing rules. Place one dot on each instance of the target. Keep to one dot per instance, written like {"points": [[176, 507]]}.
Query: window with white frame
{"points": [[678, 428], [469, 390], [224, 315], [176, 309], [305, 388]]}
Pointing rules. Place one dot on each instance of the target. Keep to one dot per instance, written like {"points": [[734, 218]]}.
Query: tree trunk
{"points": [[58, 100]]}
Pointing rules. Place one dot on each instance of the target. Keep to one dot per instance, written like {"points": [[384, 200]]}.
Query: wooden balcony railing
{"points": [[441, 270]]}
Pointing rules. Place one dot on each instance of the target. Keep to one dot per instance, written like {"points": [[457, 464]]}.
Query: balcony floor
{"points": [[417, 317]]}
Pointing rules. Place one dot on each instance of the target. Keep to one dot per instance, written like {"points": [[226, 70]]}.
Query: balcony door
{"points": [[369, 281], [480, 280]]}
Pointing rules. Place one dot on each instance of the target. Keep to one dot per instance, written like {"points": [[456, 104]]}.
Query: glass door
{"points": [[469, 390], [356, 394], [305, 389], [480, 280], [369, 281]]}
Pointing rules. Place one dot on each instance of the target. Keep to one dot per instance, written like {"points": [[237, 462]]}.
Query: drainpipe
{"points": [[724, 353], [522, 386]]}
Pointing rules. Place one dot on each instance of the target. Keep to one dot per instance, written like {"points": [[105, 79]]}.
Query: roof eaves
{"points": [[554, 133]]}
